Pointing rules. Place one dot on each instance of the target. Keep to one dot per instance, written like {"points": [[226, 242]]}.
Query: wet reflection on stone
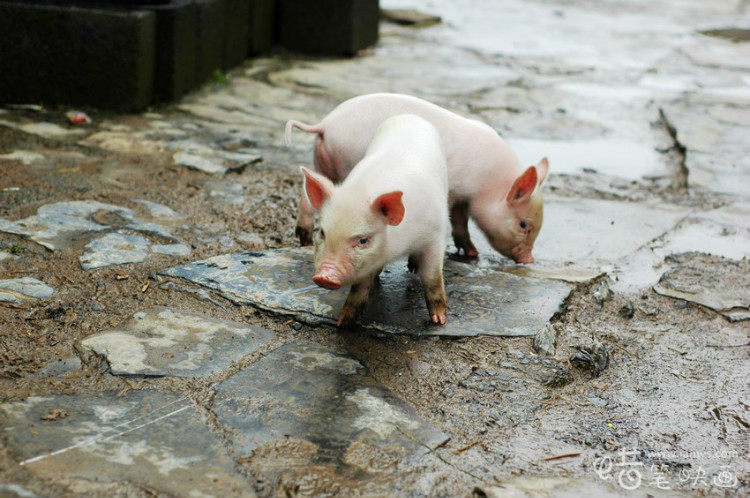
{"points": [[717, 283], [155, 439], [587, 230], [322, 409], [162, 341], [724, 231], [482, 301]]}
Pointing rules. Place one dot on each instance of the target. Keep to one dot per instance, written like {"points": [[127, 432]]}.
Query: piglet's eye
{"points": [[523, 225], [364, 240]]}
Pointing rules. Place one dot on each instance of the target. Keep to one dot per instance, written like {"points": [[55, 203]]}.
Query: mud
{"points": [[673, 388]]}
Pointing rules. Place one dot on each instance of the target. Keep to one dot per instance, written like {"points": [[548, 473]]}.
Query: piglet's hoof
{"points": [[439, 313]]}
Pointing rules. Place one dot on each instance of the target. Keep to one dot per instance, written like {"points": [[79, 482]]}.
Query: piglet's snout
{"points": [[328, 278]]}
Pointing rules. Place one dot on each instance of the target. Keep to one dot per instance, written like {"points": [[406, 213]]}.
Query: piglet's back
{"points": [[406, 150]]}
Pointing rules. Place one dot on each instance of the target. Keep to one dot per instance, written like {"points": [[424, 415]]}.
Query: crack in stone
{"points": [[678, 152]]}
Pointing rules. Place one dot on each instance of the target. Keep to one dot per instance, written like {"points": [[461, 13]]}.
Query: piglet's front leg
{"points": [[437, 304], [430, 266], [355, 302]]}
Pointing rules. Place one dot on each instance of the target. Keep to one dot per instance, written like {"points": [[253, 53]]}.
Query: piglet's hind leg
{"points": [[460, 228]]}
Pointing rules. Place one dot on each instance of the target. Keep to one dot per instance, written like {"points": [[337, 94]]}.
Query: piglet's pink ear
{"points": [[542, 168], [523, 187], [390, 207], [317, 187]]}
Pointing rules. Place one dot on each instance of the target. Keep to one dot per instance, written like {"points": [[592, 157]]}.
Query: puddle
{"points": [[615, 157], [707, 237], [482, 301], [637, 272], [624, 39], [592, 232]]}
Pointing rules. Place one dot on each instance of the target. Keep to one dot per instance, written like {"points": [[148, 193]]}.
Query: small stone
{"points": [[603, 293], [409, 17], [545, 340], [594, 358], [627, 311]]}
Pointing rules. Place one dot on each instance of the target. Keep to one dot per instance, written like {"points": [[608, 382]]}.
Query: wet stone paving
{"points": [[160, 333]]}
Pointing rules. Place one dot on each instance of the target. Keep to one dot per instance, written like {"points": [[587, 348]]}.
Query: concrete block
{"points": [[332, 27], [237, 32], [60, 54], [210, 30], [262, 21], [176, 47]]}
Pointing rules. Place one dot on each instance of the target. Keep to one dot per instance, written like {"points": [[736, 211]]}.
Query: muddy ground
{"points": [[675, 378]]}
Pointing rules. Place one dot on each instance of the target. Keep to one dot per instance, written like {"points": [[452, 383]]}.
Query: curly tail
{"points": [[302, 126]]}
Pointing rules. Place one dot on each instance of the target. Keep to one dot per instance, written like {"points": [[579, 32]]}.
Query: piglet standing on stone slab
{"points": [[393, 203], [487, 182]]}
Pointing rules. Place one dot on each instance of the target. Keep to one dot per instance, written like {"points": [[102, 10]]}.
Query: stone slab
{"points": [[717, 156], [114, 234], [161, 341], [119, 249], [25, 157], [210, 159], [482, 301], [17, 290], [567, 487], [62, 54], [10, 490], [724, 231], [160, 210], [54, 224], [717, 283], [326, 406], [155, 439]]}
